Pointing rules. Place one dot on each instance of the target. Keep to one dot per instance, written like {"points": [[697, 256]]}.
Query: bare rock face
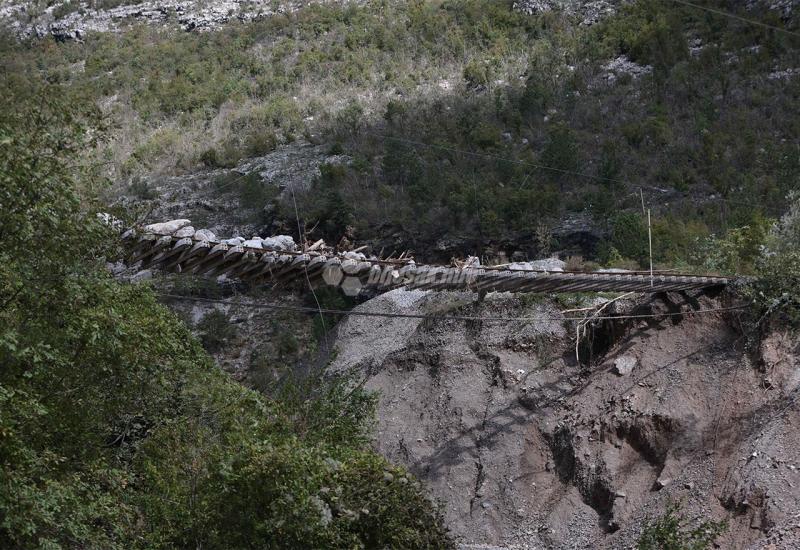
{"points": [[593, 11], [589, 12], [783, 7], [212, 198], [531, 7], [620, 66], [529, 448], [72, 19]]}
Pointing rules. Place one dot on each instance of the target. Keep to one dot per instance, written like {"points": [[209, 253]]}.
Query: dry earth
{"points": [[527, 448]]}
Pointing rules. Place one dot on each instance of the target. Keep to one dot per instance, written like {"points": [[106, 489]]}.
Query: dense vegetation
{"points": [[463, 120], [117, 431], [467, 120]]}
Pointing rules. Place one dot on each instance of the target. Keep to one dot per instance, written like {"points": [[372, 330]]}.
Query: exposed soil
{"points": [[529, 448]]}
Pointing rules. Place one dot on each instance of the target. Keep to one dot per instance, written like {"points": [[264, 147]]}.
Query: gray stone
{"points": [[167, 228], [548, 264], [624, 365]]}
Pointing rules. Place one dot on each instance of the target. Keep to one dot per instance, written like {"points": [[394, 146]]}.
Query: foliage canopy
{"points": [[117, 431]]}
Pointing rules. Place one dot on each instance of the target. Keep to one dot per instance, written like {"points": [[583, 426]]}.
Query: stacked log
{"points": [[176, 247]]}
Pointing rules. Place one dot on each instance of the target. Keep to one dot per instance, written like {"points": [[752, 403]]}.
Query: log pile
{"points": [[177, 247]]}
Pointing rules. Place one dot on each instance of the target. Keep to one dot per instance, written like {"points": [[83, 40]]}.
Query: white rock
{"points": [[548, 264], [252, 243], [520, 266], [142, 275], [110, 220], [187, 231], [204, 235], [624, 365], [234, 241], [167, 228], [623, 65], [280, 242]]}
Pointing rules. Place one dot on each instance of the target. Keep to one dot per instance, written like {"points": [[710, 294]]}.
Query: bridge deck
{"points": [[354, 271]]}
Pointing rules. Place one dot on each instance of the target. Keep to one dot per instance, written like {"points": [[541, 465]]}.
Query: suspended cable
{"points": [[737, 17], [305, 309]]}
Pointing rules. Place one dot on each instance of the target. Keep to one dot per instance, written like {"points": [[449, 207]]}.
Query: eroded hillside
{"points": [[527, 448]]}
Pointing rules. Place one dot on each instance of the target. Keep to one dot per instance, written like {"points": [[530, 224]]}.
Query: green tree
{"points": [[116, 429]]}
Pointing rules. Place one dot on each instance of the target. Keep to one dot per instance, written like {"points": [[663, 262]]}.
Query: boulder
{"points": [[255, 242], [532, 7], [624, 365], [280, 242], [204, 235], [548, 264], [355, 256], [183, 232], [167, 228]]}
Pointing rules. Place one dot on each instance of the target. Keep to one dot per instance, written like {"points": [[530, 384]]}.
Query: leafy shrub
{"points": [[141, 189], [216, 330], [629, 236], [561, 151], [785, 235], [776, 288], [536, 95], [670, 532], [254, 193], [117, 429], [209, 158], [477, 73], [735, 253]]}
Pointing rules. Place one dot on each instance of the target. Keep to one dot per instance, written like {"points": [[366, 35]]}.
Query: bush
{"points": [[669, 532], [477, 73], [216, 331], [561, 152], [117, 431], [735, 253], [629, 236], [776, 288]]}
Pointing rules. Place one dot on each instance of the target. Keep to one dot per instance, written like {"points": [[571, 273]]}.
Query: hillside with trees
{"points": [[132, 417]]}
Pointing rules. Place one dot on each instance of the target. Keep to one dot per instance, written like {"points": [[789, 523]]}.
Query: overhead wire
{"points": [[391, 315], [737, 17]]}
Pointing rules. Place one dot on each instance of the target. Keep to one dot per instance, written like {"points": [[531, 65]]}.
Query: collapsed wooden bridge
{"points": [[175, 246]]}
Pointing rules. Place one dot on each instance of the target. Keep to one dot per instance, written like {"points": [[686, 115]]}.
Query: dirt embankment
{"points": [[529, 448]]}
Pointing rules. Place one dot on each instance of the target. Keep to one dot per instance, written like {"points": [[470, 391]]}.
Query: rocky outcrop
{"points": [[589, 12], [783, 7], [213, 198], [528, 447], [622, 66], [72, 19]]}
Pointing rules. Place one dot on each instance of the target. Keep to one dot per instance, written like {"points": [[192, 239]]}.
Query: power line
{"points": [[301, 237], [305, 309], [737, 17]]}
